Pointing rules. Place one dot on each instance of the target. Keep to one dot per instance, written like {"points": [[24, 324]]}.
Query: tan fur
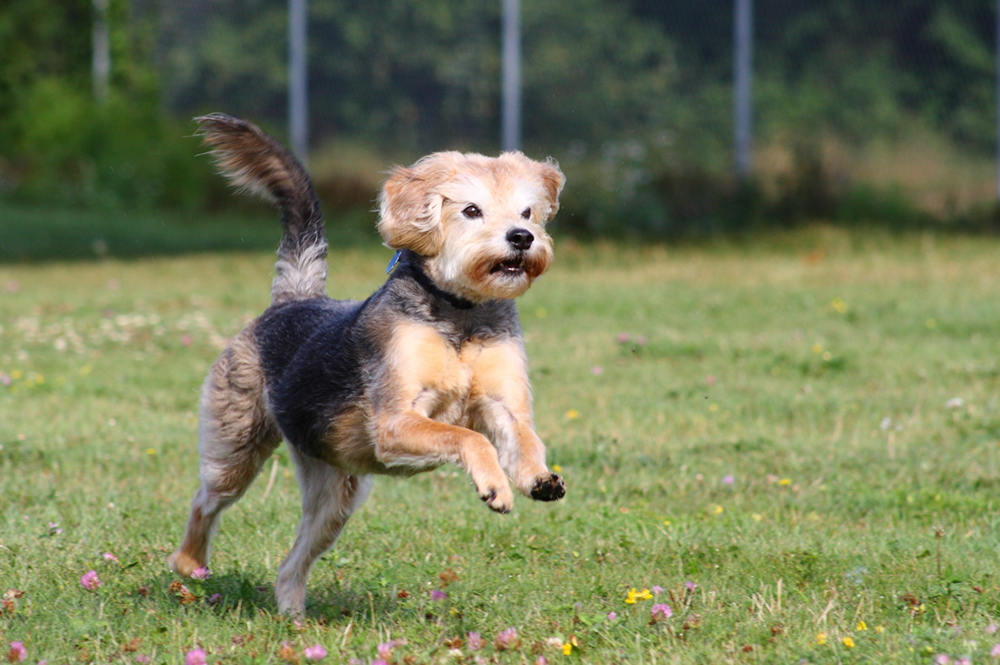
{"points": [[350, 443], [501, 395], [441, 395], [409, 209], [553, 181], [236, 438]]}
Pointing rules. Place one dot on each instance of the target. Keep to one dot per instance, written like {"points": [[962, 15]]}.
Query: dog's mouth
{"points": [[509, 268]]}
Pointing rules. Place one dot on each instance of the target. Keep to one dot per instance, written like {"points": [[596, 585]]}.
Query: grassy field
{"points": [[30, 233], [792, 443]]}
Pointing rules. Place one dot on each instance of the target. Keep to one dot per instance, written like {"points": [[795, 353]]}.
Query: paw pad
{"points": [[549, 488]]}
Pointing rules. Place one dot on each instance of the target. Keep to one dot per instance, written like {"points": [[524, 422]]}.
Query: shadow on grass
{"points": [[30, 233], [248, 593]]}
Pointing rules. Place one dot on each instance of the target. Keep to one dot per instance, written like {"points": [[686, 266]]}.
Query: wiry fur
{"points": [[254, 162], [428, 370]]}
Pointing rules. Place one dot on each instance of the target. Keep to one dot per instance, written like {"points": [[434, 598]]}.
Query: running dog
{"points": [[430, 369]]}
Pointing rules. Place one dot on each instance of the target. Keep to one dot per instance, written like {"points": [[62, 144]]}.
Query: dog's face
{"points": [[480, 221]]}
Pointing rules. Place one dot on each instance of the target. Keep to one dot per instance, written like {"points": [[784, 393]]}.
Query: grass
{"points": [[30, 233], [930, 173], [804, 427]]}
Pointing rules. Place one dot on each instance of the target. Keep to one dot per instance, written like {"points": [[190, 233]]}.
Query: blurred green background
{"points": [[863, 113]]}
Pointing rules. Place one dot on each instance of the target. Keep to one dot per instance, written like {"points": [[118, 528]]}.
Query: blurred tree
{"points": [[232, 51], [59, 144], [39, 43], [852, 66], [423, 74]]}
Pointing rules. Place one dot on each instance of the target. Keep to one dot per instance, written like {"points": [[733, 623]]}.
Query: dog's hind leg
{"points": [[236, 437], [329, 496]]}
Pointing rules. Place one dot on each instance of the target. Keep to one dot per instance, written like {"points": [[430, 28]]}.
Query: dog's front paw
{"points": [[500, 499], [548, 487]]}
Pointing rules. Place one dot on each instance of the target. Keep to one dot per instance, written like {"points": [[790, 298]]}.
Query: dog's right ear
{"points": [[410, 206]]}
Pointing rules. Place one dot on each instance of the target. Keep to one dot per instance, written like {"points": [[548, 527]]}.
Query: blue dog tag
{"points": [[393, 261]]}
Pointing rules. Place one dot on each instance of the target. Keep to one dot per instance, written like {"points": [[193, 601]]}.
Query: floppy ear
{"points": [[410, 206], [552, 182]]}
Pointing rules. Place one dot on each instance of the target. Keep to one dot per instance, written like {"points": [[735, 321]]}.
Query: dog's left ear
{"points": [[410, 206], [552, 181]]}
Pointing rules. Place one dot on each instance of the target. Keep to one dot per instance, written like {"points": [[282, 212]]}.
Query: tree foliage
{"points": [[623, 91], [852, 66], [426, 74]]}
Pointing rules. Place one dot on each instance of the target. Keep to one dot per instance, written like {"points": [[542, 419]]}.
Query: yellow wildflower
{"points": [[556, 468], [785, 481], [634, 595], [567, 649], [848, 642], [879, 629], [862, 625], [821, 638], [572, 414]]}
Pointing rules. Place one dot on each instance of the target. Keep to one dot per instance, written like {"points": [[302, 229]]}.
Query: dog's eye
{"points": [[526, 213], [472, 211]]}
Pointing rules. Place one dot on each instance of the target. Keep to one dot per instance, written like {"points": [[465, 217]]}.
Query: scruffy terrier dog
{"points": [[430, 369]]}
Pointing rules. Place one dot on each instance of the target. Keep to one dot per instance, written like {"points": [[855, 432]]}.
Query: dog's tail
{"points": [[256, 163]]}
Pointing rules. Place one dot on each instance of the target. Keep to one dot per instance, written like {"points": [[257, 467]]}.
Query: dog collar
{"points": [[458, 302], [393, 261]]}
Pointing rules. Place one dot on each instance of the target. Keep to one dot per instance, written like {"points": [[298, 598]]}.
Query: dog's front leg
{"points": [[415, 441], [521, 452], [502, 411]]}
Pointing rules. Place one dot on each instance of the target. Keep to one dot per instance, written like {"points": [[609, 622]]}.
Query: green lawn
{"points": [[796, 438], [30, 233]]}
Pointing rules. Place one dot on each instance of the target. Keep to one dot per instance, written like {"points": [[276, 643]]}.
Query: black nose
{"points": [[520, 239]]}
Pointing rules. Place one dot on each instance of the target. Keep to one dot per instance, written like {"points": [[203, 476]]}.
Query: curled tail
{"points": [[255, 162]]}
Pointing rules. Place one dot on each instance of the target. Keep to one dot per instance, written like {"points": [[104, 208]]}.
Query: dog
{"points": [[429, 370]]}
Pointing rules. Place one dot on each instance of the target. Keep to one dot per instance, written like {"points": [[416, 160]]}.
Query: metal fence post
{"points": [[298, 100], [511, 102], [101, 48], [743, 37]]}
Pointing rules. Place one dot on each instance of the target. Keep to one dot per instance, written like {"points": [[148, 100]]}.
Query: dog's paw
{"points": [[548, 487], [183, 564], [499, 499]]}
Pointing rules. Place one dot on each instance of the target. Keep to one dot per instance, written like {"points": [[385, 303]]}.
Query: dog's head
{"points": [[479, 221]]}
